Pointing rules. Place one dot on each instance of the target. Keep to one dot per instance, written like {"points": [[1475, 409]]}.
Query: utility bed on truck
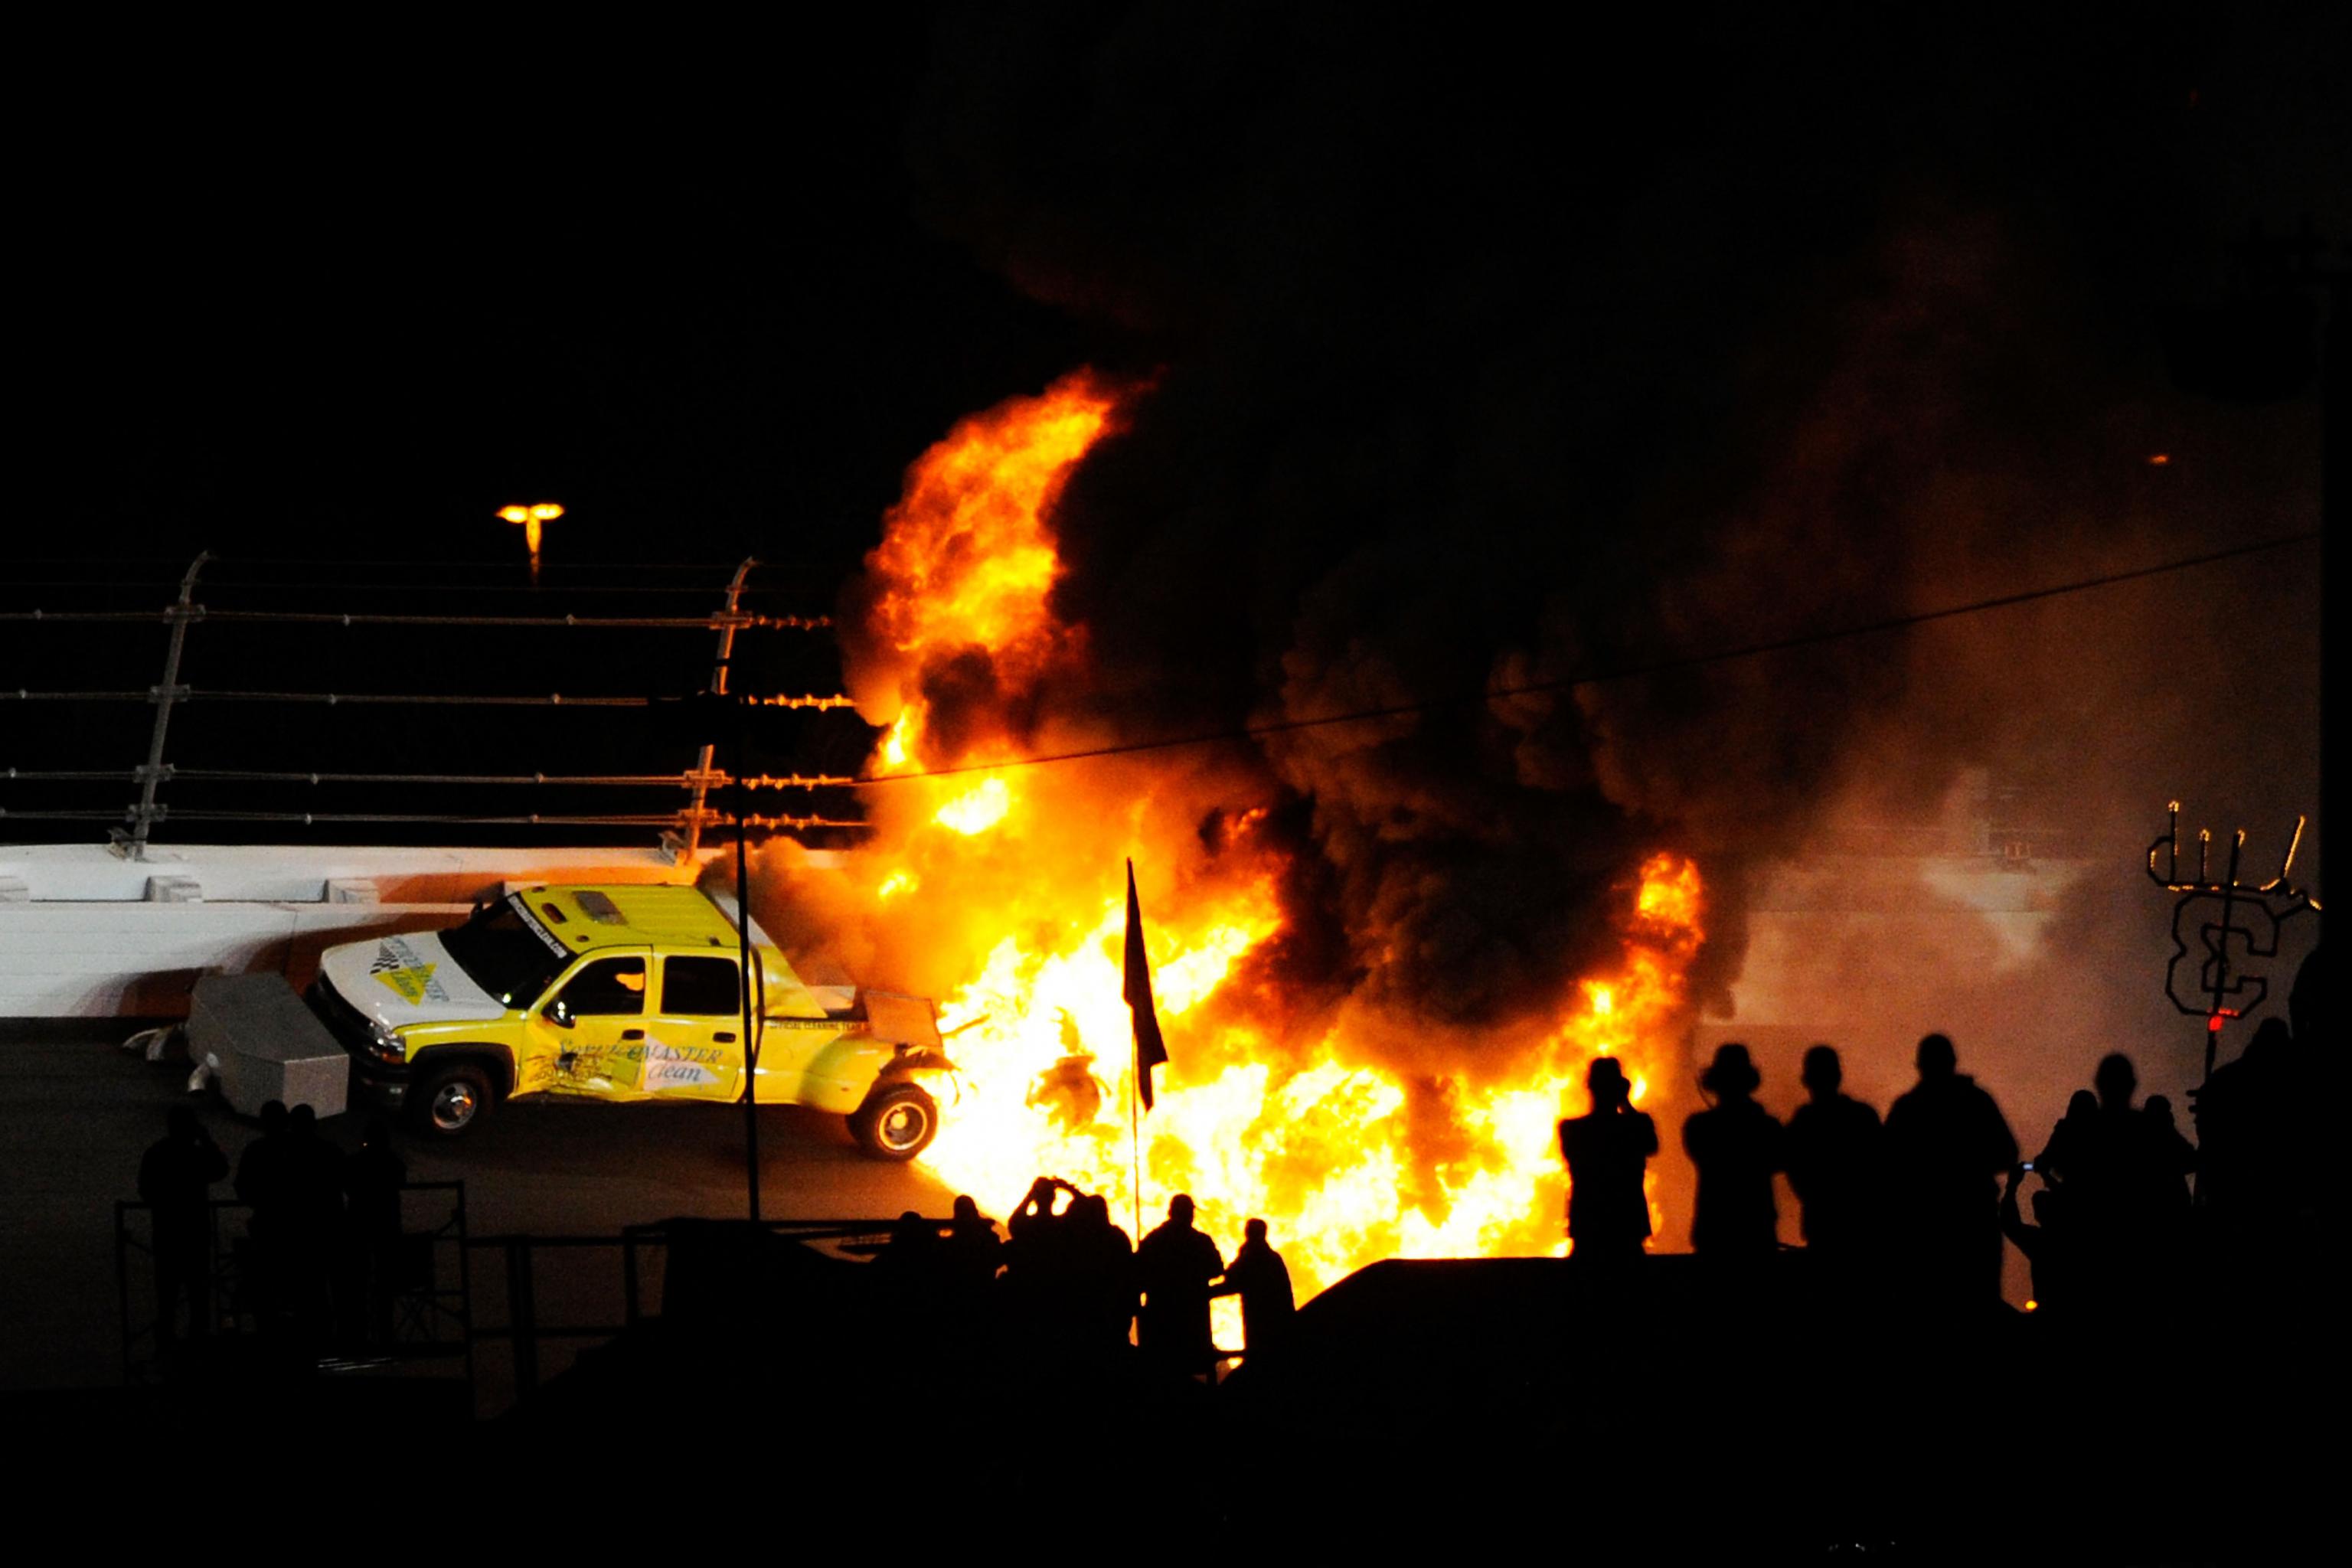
{"points": [[255, 1037]]}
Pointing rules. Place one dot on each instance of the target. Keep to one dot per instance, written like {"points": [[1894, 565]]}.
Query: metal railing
{"points": [[432, 1308], [136, 822], [523, 1332], [426, 1309]]}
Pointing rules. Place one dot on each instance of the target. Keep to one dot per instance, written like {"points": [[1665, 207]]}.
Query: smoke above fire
{"points": [[1307, 1086], [1424, 374]]}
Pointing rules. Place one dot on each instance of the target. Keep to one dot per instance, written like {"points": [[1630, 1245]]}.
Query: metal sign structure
{"points": [[2222, 922]]}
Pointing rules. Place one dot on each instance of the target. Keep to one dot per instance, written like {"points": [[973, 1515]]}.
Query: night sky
{"points": [[1471, 344], [683, 290]]}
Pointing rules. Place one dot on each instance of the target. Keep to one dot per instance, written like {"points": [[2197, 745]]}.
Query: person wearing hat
{"points": [[1736, 1144], [1606, 1149]]}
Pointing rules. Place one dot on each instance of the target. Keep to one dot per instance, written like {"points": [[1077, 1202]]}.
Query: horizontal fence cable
{"points": [[591, 578], [681, 568], [255, 590], [563, 781], [741, 621], [318, 563], [533, 819], [537, 591], [412, 699]]}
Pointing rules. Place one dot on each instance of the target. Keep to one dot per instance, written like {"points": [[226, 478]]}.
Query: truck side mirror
{"points": [[557, 1014]]}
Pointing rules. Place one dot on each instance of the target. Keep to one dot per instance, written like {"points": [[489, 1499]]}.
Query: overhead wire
{"points": [[1601, 677]]}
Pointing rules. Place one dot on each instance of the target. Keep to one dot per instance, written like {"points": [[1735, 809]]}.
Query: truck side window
{"points": [[701, 987], [607, 987]]}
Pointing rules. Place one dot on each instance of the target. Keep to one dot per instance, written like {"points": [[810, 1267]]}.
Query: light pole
{"points": [[534, 520]]}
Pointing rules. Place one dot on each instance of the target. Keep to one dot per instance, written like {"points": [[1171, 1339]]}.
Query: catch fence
{"points": [[815, 799], [503, 1311]]}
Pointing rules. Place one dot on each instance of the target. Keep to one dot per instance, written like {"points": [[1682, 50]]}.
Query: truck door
{"points": [[589, 1038], [694, 1039]]}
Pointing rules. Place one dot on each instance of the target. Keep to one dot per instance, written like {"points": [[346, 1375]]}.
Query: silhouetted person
{"points": [[373, 1175], [2069, 1141], [1735, 1145], [1947, 1145], [1032, 1257], [1102, 1274], [2244, 1131], [1606, 1149], [2124, 1178], [2046, 1244], [266, 1183], [311, 1209], [1035, 1222], [1043, 1293], [1174, 1266], [1258, 1276], [2313, 1128], [2175, 1158], [974, 1249], [1835, 1161], [262, 1171], [2107, 1167], [175, 1179], [909, 1263]]}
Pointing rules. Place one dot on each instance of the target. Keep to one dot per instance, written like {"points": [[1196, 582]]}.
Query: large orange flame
{"points": [[1010, 882], [967, 559]]}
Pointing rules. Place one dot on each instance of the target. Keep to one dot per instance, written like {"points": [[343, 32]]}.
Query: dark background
{"points": [[324, 322], [1447, 314]]}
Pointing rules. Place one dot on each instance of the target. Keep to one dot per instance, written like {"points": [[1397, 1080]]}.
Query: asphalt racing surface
{"points": [[77, 1112]]}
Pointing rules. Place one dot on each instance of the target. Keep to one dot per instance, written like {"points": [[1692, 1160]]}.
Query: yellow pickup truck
{"points": [[621, 993]]}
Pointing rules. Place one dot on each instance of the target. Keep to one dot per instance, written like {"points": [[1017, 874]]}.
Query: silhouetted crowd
{"points": [[1922, 1200], [2123, 1207], [1067, 1283], [319, 1264]]}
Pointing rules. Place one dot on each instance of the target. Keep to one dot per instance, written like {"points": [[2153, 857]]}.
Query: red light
{"points": [[2213, 1025]]}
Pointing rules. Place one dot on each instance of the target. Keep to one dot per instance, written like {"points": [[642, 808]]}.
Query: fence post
{"points": [[122, 1285], [523, 1316], [142, 816], [631, 1316], [718, 686]]}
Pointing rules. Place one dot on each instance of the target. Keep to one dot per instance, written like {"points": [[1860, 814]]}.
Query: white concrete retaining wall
{"points": [[85, 933]]}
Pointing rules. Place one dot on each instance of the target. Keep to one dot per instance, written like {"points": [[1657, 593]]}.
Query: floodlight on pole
{"points": [[533, 518]]}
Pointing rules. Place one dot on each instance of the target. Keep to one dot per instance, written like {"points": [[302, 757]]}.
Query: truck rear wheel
{"points": [[448, 1101], [897, 1121]]}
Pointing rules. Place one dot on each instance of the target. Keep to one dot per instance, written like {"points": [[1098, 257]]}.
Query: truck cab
{"points": [[626, 993]]}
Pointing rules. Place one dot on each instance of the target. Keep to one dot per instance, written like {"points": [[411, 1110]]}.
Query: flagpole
{"points": [[1136, 988]]}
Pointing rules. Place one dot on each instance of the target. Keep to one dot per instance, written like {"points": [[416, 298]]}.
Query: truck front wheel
{"points": [[448, 1100], [896, 1122]]}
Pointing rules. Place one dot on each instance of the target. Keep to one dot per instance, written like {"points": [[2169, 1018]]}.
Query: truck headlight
{"points": [[384, 1042]]}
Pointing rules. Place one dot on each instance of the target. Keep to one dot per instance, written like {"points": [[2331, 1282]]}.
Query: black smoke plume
{"points": [[1486, 358]]}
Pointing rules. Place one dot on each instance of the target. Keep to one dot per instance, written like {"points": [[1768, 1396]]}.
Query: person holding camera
{"points": [[1607, 1151]]}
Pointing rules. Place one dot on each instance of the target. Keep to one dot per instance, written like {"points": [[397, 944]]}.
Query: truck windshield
{"points": [[502, 950]]}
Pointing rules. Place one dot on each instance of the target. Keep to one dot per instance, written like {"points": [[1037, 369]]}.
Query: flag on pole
{"points": [[1150, 1050]]}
